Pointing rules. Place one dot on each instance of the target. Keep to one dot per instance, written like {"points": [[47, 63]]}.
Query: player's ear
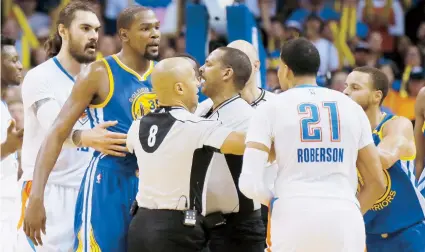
{"points": [[178, 88], [122, 33], [257, 65], [228, 73], [378, 95], [62, 31]]}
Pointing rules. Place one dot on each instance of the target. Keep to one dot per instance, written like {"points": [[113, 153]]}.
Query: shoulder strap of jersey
{"points": [[380, 128]]}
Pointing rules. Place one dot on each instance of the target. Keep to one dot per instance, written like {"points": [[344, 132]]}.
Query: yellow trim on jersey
{"points": [[131, 71], [149, 71], [381, 130], [423, 128], [408, 158], [111, 87]]}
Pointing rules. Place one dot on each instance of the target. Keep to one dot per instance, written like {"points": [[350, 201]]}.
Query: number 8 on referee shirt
{"points": [[152, 135], [311, 133]]}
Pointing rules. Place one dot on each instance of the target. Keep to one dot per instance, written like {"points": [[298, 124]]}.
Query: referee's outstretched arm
{"points": [[234, 144]]}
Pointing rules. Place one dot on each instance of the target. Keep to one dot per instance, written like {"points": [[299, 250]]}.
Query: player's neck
{"points": [[3, 88], [222, 97], [68, 62], [134, 61], [250, 93], [304, 80], [173, 103], [375, 116]]}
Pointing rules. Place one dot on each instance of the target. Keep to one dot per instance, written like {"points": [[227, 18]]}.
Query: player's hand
{"points": [[14, 137], [35, 220], [102, 140], [272, 154]]}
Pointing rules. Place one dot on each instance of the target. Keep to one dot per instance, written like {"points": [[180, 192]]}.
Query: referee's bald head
{"points": [[175, 82]]}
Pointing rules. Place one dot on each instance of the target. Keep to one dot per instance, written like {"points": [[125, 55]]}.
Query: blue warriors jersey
{"points": [[130, 96], [401, 205]]}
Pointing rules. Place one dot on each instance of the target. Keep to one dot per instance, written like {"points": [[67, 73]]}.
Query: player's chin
{"points": [[152, 55]]}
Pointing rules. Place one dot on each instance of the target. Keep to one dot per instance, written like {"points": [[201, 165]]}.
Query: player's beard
{"points": [[79, 54], [149, 56]]}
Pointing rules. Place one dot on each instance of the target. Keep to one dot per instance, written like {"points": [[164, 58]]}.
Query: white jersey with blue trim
{"points": [[317, 133], [50, 80], [9, 165]]}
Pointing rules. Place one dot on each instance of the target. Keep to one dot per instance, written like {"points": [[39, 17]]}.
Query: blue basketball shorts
{"points": [[102, 214]]}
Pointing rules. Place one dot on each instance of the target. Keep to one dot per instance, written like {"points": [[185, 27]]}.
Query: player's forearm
{"points": [[368, 195], [46, 159], [419, 166], [420, 151], [390, 150], [6, 150], [251, 180]]}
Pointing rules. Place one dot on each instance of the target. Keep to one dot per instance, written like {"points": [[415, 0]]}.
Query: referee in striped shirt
{"points": [[174, 148]]}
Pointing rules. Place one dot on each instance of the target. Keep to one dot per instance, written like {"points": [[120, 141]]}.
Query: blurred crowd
{"points": [[387, 34]]}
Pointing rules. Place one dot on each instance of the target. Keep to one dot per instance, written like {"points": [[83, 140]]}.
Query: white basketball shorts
{"points": [[8, 220], [59, 203], [314, 224]]}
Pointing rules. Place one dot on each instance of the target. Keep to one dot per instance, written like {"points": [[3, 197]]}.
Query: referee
{"points": [[233, 221], [174, 149]]}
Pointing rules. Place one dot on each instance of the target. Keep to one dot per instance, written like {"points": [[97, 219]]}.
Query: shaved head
{"points": [[175, 82], [245, 47]]}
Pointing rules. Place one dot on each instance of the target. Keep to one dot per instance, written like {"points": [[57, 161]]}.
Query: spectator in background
{"points": [[316, 7], [390, 70], [421, 38], [112, 9], [291, 30], [337, 81], [107, 45], [362, 56], [37, 20], [385, 17], [403, 45], [180, 43], [403, 103], [329, 59], [272, 81], [375, 43]]}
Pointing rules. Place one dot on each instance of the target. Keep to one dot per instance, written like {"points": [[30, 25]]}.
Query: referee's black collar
{"points": [[160, 109], [260, 98], [224, 103]]}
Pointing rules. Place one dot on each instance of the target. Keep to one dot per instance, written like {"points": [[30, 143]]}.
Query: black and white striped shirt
{"points": [[223, 194], [174, 149]]}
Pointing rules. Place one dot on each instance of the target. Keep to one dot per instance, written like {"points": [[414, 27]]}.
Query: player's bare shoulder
{"points": [[420, 100], [94, 72]]}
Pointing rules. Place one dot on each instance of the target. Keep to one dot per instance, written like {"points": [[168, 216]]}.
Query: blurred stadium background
{"points": [[387, 34]]}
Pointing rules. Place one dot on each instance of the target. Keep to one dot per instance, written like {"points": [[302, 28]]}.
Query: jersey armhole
{"points": [[111, 87]]}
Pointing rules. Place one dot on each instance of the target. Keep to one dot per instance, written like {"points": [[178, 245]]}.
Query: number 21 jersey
{"points": [[317, 133]]}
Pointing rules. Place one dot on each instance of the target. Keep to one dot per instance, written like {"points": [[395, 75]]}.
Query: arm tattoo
{"points": [[39, 103]]}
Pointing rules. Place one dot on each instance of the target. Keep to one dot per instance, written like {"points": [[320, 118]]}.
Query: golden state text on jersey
{"points": [[401, 205]]}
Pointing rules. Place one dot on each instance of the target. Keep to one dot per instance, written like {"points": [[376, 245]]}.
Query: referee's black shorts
{"points": [[158, 230], [243, 232]]}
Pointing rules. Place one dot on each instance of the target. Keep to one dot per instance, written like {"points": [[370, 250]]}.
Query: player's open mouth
{"points": [[91, 48], [153, 47]]}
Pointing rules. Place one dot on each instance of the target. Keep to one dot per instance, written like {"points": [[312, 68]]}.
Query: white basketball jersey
{"points": [[50, 80], [9, 165], [317, 133]]}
